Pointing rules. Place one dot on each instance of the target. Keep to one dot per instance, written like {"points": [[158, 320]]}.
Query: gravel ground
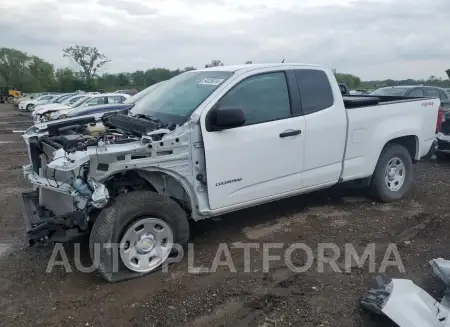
{"points": [[418, 225]]}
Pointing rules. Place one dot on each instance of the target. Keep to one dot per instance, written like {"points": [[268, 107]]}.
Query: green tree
{"points": [[123, 80], [137, 79], [214, 63], [189, 68], [67, 81], [352, 81], [155, 75], [14, 67], [89, 59], [42, 72]]}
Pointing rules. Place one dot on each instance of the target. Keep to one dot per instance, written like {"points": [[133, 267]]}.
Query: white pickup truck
{"points": [[209, 142]]}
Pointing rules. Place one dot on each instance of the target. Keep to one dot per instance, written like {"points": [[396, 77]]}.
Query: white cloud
{"points": [[370, 38]]}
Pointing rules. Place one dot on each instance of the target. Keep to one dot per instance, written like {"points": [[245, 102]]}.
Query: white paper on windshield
{"points": [[211, 81]]}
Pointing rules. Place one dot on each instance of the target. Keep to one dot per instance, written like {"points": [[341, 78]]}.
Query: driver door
{"points": [[264, 157]]}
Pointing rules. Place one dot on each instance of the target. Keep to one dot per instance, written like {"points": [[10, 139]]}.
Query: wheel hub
{"points": [[395, 174], [145, 244], [392, 173]]}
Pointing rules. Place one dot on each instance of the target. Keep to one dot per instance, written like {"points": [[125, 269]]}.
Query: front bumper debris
{"points": [[407, 304], [35, 220]]}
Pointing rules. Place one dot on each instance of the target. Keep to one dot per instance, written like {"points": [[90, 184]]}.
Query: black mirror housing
{"points": [[225, 118]]}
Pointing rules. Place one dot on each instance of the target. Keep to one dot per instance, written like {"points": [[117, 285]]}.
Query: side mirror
{"points": [[225, 118]]}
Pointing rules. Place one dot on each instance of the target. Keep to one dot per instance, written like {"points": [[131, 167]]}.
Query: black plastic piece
{"points": [[129, 124], [35, 152], [54, 127], [290, 133], [102, 167]]}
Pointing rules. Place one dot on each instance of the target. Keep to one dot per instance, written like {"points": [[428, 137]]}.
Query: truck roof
{"points": [[234, 68]]}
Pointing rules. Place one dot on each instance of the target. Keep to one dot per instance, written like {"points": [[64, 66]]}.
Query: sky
{"points": [[373, 39]]}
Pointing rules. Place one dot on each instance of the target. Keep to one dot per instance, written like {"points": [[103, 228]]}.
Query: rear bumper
{"points": [[443, 143]]}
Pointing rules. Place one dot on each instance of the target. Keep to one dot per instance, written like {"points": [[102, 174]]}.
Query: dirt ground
{"points": [[418, 225]]}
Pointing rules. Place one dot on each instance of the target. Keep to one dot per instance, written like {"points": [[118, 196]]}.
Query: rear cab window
{"points": [[417, 92], [431, 93], [315, 90]]}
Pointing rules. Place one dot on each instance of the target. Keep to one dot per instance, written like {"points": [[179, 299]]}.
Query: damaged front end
{"points": [[407, 304], [76, 166]]}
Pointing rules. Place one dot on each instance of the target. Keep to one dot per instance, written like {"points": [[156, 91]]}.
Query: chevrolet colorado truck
{"points": [[208, 142]]}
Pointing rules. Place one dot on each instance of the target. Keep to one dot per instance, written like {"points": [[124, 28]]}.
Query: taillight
{"points": [[440, 119]]}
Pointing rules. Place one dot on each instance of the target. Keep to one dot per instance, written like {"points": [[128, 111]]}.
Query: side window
{"points": [[431, 93], [418, 92], [315, 90], [442, 95], [263, 98], [115, 99], [95, 101]]}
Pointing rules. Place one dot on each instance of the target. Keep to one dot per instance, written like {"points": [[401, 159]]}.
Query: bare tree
{"points": [[88, 58]]}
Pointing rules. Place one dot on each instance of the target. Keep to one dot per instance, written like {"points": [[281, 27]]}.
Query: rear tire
{"points": [[10, 100], [115, 222], [393, 174]]}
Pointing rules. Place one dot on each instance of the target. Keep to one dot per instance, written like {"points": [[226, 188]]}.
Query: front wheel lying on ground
{"points": [[393, 174], [136, 235]]}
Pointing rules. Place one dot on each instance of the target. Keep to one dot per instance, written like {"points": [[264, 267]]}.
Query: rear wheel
{"points": [[393, 174], [136, 235], [10, 100]]}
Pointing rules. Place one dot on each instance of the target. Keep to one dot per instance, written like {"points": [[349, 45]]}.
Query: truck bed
{"points": [[357, 101]]}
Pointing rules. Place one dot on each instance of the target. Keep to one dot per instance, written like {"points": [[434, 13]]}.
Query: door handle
{"points": [[290, 132]]}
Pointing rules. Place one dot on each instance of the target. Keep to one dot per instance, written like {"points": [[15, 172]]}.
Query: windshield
{"points": [[72, 99], [391, 91], [138, 96], [64, 98], [176, 99], [60, 98], [80, 101]]}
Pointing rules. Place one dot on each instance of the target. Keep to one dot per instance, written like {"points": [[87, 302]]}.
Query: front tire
{"points": [[30, 107], [134, 236], [393, 174]]}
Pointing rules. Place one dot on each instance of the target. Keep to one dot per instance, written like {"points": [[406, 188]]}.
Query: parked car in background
{"points": [[129, 92], [418, 91], [126, 105], [52, 113], [57, 101], [28, 96], [30, 104]]}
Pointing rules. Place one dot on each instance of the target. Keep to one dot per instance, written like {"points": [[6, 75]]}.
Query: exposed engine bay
{"points": [[79, 165]]}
